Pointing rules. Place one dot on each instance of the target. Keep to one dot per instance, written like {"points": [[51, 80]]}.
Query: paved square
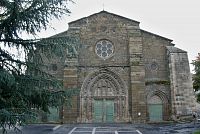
{"points": [[103, 130]]}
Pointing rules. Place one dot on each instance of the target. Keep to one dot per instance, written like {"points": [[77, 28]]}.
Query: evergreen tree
{"points": [[24, 86], [196, 76]]}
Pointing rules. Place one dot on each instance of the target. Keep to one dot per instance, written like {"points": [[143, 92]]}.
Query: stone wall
{"points": [[155, 59], [182, 93]]}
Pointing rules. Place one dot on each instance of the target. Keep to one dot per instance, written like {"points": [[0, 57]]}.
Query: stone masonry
{"points": [[183, 101]]}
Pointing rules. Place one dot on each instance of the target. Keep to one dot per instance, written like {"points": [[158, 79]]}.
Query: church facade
{"points": [[124, 73]]}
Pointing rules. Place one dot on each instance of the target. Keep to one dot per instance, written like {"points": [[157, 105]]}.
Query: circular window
{"points": [[154, 66], [104, 49]]}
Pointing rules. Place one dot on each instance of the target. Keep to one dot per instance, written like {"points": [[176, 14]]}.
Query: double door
{"points": [[103, 110]]}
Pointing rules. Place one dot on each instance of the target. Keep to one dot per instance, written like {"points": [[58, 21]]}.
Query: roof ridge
{"points": [[156, 35], [103, 11]]}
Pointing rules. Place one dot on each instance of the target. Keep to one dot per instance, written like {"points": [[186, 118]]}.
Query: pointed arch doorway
{"points": [[104, 98], [155, 108]]}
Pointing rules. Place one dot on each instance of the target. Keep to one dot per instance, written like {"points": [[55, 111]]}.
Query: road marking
{"points": [[81, 132], [72, 130], [124, 131], [138, 131], [56, 127], [93, 131]]}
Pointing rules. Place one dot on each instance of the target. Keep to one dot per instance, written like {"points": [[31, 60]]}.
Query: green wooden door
{"points": [[98, 110], [103, 110], [109, 110], [155, 112], [54, 115]]}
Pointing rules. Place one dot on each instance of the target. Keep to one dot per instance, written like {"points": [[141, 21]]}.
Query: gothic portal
{"points": [[103, 98]]}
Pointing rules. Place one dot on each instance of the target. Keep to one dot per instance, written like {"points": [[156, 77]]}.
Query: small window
{"points": [[54, 67]]}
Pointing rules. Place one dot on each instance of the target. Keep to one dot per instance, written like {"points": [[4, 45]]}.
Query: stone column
{"points": [[138, 99]]}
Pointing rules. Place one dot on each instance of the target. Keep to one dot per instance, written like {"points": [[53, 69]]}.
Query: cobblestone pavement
{"points": [[188, 128]]}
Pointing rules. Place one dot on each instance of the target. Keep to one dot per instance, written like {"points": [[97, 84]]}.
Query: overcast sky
{"points": [[178, 20]]}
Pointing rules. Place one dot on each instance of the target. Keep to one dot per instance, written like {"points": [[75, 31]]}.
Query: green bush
{"points": [[197, 132]]}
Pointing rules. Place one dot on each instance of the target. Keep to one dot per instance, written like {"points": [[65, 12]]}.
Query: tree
{"points": [[23, 84], [196, 76]]}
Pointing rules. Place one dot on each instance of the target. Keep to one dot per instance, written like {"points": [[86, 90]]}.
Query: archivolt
{"points": [[160, 94], [107, 74]]}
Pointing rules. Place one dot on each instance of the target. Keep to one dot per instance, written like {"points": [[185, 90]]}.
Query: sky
{"points": [[178, 20]]}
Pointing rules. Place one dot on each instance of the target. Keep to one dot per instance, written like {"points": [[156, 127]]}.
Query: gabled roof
{"points": [[173, 49], [115, 15], [101, 12], [105, 12], [170, 40]]}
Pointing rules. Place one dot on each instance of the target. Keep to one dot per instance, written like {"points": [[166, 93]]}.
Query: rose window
{"points": [[104, 49]]}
